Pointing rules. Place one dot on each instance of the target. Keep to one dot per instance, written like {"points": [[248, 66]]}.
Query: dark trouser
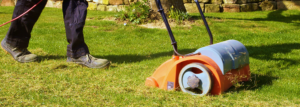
{"points": [[74, 12]]}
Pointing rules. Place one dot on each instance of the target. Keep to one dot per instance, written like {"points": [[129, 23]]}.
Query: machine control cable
{"points": [[21, 14]]}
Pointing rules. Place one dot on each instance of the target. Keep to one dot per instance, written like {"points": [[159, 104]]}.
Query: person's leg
{"points": [[74, 17], [19, 33], [75, 12]]}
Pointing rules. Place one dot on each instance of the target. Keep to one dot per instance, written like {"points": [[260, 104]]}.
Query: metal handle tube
{"points": [[161, 11], [205, 23]]}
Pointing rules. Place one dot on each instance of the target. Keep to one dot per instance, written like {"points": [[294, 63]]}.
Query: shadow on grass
{"points": [[122, 58], [137, 58], [266, 53], [206, 17], [277, 17], [52, 57]]}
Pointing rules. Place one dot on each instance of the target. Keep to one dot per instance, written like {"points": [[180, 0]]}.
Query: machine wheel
{"points": [[195, 78]]}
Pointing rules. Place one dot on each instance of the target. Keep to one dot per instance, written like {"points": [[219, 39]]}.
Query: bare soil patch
{"points": [[159, 24]]}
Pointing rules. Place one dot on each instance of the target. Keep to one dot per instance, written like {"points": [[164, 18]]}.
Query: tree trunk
{"points": [[166, 4]]}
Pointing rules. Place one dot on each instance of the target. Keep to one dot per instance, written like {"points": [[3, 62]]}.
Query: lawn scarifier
{"points": [[209, 70]]}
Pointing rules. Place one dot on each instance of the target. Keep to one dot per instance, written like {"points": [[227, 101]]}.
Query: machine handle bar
{"points": [[174, 43], [162, 13], [204, 20]]}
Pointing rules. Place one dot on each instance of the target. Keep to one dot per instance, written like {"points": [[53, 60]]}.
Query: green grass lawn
{"points": [[272, 39]]}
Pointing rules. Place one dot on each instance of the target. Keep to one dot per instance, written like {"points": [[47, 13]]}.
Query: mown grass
{"points": [[272, 39]]}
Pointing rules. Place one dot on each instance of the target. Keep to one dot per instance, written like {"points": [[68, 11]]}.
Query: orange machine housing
{"points": [[169, 72]]}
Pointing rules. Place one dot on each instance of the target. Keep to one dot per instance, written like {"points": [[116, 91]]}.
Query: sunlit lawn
{"points": [[272, 39]]}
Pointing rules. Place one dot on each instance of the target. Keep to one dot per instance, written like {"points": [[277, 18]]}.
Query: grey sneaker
{"points": [[20, 55], [90, 61]]}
